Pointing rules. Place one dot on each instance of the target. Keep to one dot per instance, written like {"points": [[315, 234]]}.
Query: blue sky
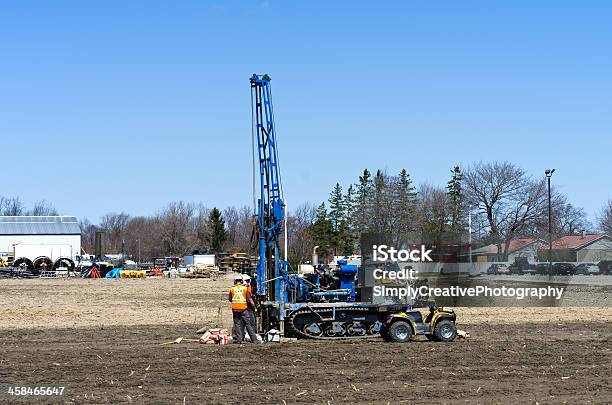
{"points": [[126, 106]]}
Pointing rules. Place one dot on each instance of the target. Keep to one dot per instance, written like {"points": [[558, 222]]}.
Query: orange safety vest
{"points": [[239, 301]]}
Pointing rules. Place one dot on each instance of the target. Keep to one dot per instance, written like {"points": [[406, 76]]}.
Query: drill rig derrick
{"points": [[310, 306], [271, 269]]}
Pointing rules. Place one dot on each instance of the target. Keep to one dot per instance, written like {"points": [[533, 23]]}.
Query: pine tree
{"points": [[343, 240], [379, 203], [337, 209], [455, 194], [321, 231], [217, 233], [350, 203], [363, 200], [406, 203]]}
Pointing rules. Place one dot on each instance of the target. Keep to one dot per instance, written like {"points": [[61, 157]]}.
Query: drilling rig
{"points": [[327, 304]]}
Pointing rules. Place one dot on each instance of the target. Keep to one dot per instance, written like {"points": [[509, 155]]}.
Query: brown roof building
{"points": [[580, 248], [521, 247]]}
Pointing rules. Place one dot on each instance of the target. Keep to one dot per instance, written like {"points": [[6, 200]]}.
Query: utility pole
{"points": [[123, 253], [549, 173], [470, 232], [138, 264]]}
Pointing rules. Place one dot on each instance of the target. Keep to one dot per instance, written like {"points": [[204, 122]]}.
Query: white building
{"points": [[51, 236]]}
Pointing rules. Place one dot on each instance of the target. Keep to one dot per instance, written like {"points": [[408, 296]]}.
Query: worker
{"points": [[241, 299], [246, 280], [247, 283]]}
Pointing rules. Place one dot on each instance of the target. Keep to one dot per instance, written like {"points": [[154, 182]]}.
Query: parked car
{"points": [[498, 268], [542, 268], [587, 269], [564, 269], [605, 267], [522, 266]]}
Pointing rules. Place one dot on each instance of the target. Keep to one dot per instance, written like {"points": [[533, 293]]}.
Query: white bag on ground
{"points": [[273, 335], [247, 336]]}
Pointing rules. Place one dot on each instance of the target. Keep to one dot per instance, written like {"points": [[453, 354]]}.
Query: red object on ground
{"points": [[94, 273]]}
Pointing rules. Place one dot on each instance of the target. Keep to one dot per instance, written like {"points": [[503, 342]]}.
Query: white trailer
{"points": [[54, 251], [202, 260]]}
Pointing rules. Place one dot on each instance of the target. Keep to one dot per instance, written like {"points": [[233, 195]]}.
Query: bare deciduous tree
{"points": [[240, 224], [11, 206], [605, 218], [199, 226], [175, 220], [434, 213], [510, 200], [114, 224], [299, 246], [88, 236], [42, 207], [569, 220]]}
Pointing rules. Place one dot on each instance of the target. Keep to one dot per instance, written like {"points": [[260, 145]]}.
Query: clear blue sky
{"points": [[125, 106]]}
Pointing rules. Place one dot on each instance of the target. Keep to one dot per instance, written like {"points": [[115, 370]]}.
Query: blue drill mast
{"points": [[271, 269]]}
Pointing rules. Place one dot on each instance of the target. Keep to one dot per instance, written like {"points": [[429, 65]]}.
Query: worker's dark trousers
{"points": [[252, 318], [242, 320]]}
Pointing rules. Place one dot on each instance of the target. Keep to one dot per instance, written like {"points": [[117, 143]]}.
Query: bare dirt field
{"points": [[100, 339]]}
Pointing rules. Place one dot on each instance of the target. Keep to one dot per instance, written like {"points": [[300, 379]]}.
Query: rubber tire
{"points": [[438, 331], [397, 327]]}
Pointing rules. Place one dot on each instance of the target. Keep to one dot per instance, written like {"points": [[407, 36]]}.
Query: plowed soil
{"points": [[102, 341]]}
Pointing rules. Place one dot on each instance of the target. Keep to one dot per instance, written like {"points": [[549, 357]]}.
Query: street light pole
{"points": [[549, 173], [470, 232], [138, 265]]}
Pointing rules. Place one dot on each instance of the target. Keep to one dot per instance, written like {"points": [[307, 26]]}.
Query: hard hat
{"points": [[238, 278], [246, 278]]}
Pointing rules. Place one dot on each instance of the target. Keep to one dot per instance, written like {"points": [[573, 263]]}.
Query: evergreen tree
{"points": [[337, 208], [343, 240], [217, 234], [363, 201], [379, 208], [406, 204], [350, 202], [321, 231], [455, 194]]}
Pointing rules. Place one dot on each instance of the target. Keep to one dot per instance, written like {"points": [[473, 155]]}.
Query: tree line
{"points": [[181, 228], [504, 201], [13, 206], [176, 230]]}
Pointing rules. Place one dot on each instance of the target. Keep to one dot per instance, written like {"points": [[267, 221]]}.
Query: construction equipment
{"points": [[327, 304]]}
